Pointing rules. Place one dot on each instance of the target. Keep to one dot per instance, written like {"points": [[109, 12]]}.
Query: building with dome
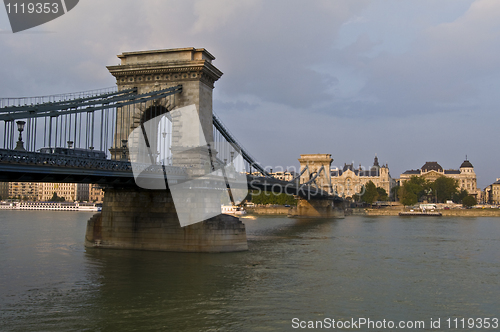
{"points": [[431, 170]]}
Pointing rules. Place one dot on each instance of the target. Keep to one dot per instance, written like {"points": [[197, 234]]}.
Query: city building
{"points": [[24, 190], [280, 175], [284, 175], [4, 190], [96, 194], [431, 170], [71, 192], [492, 193], [349, 180], [66, 190], [83, 192]]}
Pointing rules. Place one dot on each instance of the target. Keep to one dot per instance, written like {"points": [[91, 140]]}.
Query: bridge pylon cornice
{"points": [[159, 69], [166, 66]]}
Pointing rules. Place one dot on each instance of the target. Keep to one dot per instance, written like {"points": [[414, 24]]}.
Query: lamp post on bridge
{"points": [[20, 144], [124, 149], [164, 150]]}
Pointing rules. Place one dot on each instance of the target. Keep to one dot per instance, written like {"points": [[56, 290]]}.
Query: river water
{"points": [[392, 268]]}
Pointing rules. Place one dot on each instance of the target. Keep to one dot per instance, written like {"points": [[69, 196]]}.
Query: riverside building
{"points": [[492, 193], [32, 191], [431, 170], [349, 180]]}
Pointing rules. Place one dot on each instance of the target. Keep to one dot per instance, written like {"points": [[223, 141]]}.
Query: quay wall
{"points": [[446, 213], [391, 211], [273, 210], [147, 220]]}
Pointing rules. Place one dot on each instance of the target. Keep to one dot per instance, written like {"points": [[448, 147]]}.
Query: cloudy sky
{"points": [[411, 81]]}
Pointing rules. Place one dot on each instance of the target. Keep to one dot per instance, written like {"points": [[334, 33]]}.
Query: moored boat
{"points": [[54, 206], [233, 210], [419, 213]]}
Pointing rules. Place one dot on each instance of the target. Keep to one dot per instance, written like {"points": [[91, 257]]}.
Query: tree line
{"points": [[265, 198], [371, 193], [443, 189], [418, 189]]}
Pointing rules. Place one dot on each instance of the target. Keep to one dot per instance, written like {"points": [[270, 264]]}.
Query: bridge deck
{"points": [[23, 166]]}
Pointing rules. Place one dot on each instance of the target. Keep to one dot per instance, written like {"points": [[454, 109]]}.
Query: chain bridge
{"points": [[95, 137]]}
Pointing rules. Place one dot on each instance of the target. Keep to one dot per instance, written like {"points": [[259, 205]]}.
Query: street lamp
{"points": [[20, 127], [163, 154]]}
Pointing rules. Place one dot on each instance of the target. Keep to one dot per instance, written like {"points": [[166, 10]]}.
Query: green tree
{"points": [[370, 193], [444, 188], [469, 201], [56, 198], [415, 188], [407, 195], [394, 193], [382, 194], [265, 198], [459, 196]]}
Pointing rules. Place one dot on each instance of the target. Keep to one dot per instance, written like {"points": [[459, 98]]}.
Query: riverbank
{"points": [[446, 213], [270, 210], [389, 211]]}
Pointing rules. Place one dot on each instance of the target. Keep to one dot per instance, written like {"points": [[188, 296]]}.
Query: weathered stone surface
{"points": [[159, 69], [314, 163], [318, 208], [146, 220]]}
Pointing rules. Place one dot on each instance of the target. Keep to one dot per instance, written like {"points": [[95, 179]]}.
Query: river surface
{"points": [[392, 268]]}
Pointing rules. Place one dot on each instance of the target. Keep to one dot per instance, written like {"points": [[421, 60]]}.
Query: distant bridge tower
{"points": [[314, 164], [159, 69], [318, 168]]}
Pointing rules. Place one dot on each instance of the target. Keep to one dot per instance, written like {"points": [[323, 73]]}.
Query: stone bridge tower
{"points": [[160, 69], [143, 219], [318, 207], [314, 162]]}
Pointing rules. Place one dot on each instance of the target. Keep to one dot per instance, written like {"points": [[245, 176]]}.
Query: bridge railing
{"points": [[54, 160], [22, 101], [88, 122]]}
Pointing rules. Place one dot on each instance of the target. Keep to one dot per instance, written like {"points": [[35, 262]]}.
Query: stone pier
{"points": [[318, 208], [146, 220]]}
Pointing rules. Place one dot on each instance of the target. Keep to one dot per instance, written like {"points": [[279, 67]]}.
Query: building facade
{"points": [[45, 191], [431, 170], [24, 190], [492, 193], [349, 180], [281, 175], [66, 190], [4, 190], [96, 194]]}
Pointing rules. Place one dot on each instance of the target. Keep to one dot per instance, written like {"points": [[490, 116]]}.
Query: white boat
{"points": [[234, 210], [54, 206], [6, 206]]}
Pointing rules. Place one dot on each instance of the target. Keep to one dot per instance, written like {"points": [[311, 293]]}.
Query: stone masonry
{"points": [[135, 218]]}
